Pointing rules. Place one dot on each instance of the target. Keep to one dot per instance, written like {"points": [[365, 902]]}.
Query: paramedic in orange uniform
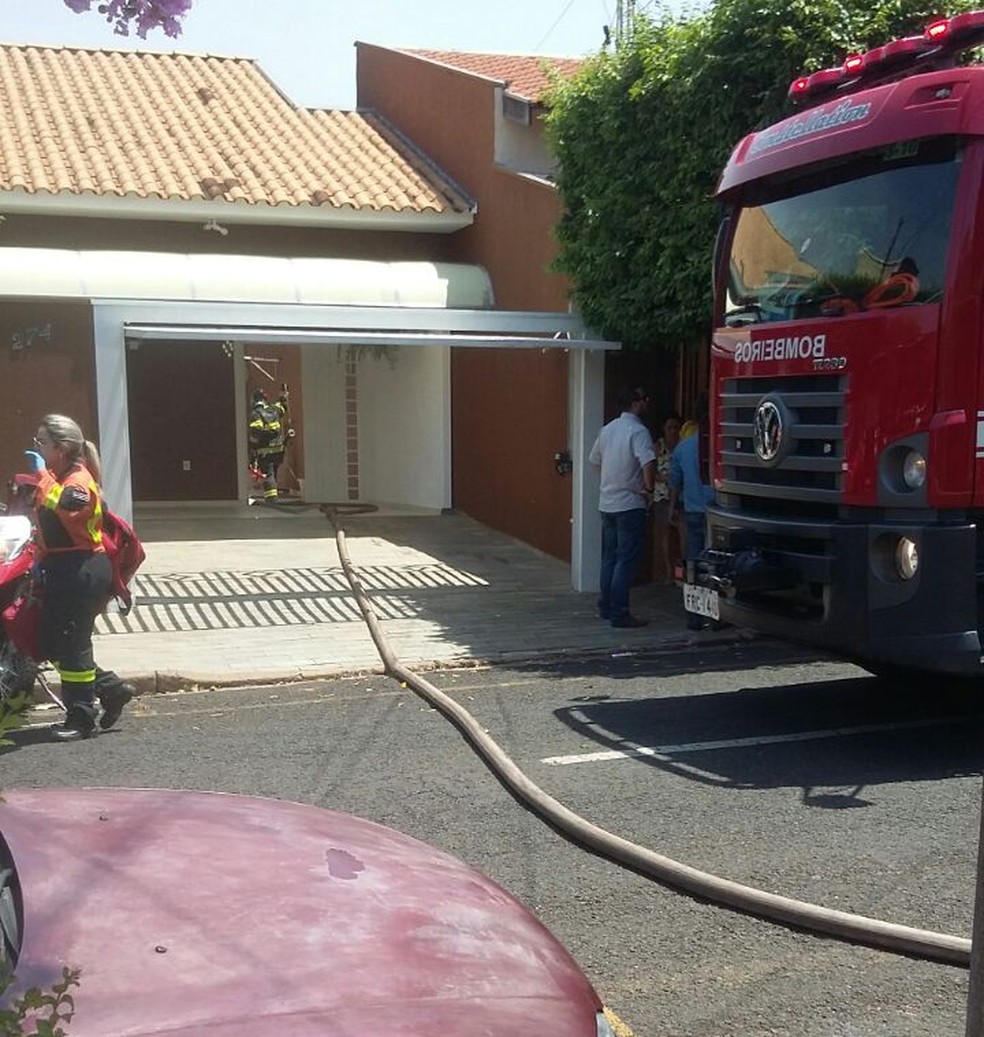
{"points": [[74, 567]]}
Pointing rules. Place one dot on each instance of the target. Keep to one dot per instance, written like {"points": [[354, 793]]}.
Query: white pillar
{"points": [[323, 396], [587, 410], [114, 429]]}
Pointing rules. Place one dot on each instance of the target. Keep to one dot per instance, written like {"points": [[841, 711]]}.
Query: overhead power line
{"points": [[558, 20]]}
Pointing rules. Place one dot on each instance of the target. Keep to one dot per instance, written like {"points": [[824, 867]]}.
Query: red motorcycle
{"points": [[19, 670]]}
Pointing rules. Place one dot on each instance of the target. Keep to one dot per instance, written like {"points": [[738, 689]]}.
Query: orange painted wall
{"points": [[509, 407], [46, 367], [243, 239]]}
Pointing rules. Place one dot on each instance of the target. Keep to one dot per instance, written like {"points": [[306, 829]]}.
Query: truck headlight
{"points": [[914, 470], [906, 558]]}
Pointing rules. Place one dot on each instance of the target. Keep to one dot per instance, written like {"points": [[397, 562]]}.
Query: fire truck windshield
{"points": [[867, 233]]}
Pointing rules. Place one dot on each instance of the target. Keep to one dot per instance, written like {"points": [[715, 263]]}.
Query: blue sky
{"points": [[307, 46]]}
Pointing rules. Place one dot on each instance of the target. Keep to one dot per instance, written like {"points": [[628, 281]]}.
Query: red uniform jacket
{"points": [[69, 512]]}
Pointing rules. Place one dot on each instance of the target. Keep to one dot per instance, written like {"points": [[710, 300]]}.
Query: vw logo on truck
{"points": [[769, 430]]}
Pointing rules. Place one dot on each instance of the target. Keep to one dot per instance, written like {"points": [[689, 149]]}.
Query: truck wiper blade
{"points": [[747, 312]]}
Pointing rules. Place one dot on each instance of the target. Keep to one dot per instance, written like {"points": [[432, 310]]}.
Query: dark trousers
{"points": [[623, 534], [75, 585], [696, 533], [696, 539], [107, 681], [269, 464]]}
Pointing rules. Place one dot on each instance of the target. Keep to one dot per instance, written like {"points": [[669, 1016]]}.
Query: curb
{"points": [[168, 683]]}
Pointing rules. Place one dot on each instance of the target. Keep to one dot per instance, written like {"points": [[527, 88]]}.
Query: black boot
{"points": [[79, 723], [80, 713], [113, 699]]}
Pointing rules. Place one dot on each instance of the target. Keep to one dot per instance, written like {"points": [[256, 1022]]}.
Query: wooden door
{"points": [[182, 421]]}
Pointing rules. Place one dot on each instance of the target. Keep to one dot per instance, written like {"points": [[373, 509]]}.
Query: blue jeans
{"points": [[696, 533], [696, 540], [623, 534]]}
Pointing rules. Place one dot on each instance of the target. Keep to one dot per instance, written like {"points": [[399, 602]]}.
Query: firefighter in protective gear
{"points": [[74, 568], [267, 436]]}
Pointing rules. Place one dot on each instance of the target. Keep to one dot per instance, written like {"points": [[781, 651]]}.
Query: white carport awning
{"points": [[159, 295], [69, 274]]}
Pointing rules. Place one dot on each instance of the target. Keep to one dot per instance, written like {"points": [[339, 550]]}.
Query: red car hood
{"points": [[206, 914]]}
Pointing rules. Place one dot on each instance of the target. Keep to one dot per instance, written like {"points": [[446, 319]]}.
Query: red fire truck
{"points": [[847, 404]]}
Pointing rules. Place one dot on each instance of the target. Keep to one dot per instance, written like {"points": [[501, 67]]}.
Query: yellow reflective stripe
{"points": [[270, 493], [77, 676], [53, 496]]}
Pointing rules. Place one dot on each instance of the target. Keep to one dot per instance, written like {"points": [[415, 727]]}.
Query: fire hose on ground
{"points": [[797, 914]]}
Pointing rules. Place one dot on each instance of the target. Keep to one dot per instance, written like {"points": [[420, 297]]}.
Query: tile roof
{"points": [[183, 127], [524, 76]]}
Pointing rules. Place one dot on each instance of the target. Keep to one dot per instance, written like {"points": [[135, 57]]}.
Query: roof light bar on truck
{"points": [[937, 47]]}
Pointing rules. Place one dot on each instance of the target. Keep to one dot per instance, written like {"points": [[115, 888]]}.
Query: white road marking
{"points": [[631, 751]]}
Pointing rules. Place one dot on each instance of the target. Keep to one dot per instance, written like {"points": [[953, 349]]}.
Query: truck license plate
{"points": [[701, 600]]}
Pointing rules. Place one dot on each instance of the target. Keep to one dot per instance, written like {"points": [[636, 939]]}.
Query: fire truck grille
{"points": [[802, 430]]}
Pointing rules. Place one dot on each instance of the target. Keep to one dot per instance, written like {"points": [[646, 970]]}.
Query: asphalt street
{"points": [[800, 776]]}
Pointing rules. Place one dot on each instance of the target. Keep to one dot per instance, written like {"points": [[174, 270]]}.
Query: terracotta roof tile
{"points": [[184, 126], [524, 76]]}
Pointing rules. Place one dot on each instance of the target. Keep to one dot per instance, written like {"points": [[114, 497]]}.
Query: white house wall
{"points": [[522, 148], [404, 426], [323, 398], [586, 395]]}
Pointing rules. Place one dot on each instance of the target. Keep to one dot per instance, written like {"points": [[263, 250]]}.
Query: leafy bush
{"points": [[642, 133], [36, 1013]]}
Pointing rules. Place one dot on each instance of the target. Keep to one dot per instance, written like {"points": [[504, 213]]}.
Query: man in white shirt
{"points": [[624, 452]]}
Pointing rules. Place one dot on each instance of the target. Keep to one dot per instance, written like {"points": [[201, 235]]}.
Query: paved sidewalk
{"points": [[236, 596]]}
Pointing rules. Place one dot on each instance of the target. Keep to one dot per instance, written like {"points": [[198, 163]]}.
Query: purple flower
{"points": [[143, 15]]}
